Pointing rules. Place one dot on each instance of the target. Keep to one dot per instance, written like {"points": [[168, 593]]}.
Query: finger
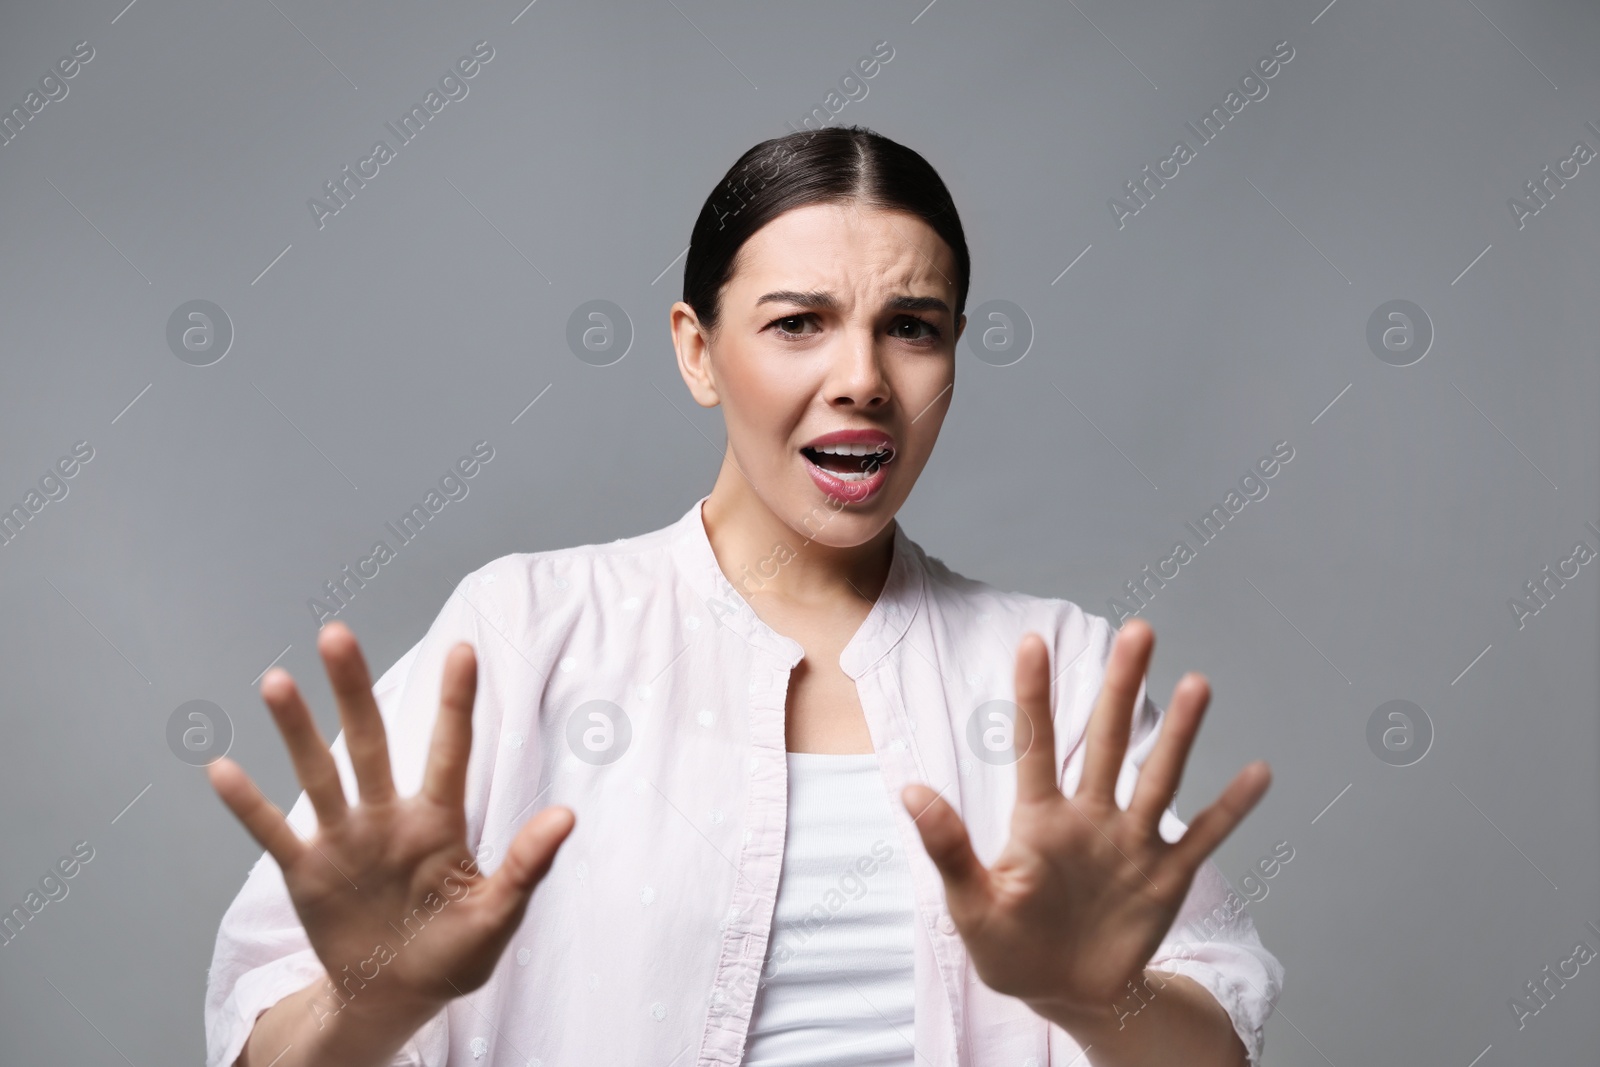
{"points": [[966, 880], [1208, 829], [358, 712], [1159, 777], [259, 815], [528, 860], [445, 781], [1112, 718], [313, 763], [1035, 733]]}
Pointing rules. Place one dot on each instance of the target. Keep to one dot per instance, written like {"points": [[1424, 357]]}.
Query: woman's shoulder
{"points": [[581, 574], [1078, 641], [533, 607], [981, 601]]}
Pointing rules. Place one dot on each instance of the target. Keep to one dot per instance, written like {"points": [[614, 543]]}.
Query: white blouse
{"points": [[836, 990], [630, 682]]}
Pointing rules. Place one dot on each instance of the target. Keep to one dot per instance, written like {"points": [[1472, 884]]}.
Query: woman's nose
{"points": [[856, 376]]}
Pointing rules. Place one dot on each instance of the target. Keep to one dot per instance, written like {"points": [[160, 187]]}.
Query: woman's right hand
{"points": [[389, 888]]}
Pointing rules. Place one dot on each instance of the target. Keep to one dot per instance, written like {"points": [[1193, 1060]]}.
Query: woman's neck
{"points": [[765, 559]]}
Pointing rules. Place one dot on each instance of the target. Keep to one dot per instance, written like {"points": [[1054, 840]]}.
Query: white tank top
{"points": [[836, 989]]}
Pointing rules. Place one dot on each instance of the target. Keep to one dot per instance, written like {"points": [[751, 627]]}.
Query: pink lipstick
{"points": [[850, 465]]}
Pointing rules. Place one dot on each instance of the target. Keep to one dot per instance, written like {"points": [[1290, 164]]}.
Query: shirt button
{"points": [[947, 925]]}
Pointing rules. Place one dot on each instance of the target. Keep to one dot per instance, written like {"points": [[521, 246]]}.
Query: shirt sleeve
{"points": [[262, 954], [1213, 940]]}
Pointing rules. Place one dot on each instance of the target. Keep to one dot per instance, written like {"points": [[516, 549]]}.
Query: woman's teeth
{"points": [[848, 450], [849, 463]]}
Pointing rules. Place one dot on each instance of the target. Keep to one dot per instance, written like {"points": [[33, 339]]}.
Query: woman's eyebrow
{"points": [[917, 303], [813, 299], [826, 302]]}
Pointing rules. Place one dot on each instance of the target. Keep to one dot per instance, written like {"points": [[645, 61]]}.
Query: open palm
{"points": [[387, 889], [1080, 897]]}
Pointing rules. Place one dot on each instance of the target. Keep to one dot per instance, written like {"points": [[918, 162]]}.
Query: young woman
{"points": [[818, 799]]}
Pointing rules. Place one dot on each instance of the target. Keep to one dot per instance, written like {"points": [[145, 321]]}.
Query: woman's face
{"points": [[837, 335]]}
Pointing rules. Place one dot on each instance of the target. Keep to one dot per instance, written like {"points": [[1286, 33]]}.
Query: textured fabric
{"points": [[645, 943], [837, 989]]}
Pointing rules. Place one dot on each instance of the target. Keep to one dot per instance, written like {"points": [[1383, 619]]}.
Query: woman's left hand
{"points": [[1083, 893]]}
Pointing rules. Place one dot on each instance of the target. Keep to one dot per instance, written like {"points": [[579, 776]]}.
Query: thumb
{"points": [[945, 837], [529, 857]]}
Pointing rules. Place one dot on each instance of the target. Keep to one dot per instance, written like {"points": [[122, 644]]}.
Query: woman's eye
{"points": [[791, 324], [914, 324]]}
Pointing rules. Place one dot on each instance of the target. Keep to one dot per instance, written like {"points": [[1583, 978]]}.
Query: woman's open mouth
{"points": [[849, 470]]}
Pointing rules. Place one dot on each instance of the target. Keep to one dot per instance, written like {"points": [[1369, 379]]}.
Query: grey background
{"points": [[1229, 314]]}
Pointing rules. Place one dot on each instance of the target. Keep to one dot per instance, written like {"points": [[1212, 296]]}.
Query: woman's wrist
{"points": [[312, 1027], [389, 1010], [1087, 1023], [1161, 1018]]}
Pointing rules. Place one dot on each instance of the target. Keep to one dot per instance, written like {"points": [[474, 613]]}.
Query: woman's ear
{"points": [[694, 355]]}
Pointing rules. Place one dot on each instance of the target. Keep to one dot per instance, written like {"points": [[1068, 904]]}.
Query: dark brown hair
{"points": [[830, 165]]}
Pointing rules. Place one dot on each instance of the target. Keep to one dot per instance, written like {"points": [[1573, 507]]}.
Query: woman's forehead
{"points": [[845, 248]]}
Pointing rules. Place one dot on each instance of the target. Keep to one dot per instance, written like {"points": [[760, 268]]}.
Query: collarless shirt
{"points": [[631, 682]]}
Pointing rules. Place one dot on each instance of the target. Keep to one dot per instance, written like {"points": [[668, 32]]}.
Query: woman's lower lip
{"points": [[852, 492]]}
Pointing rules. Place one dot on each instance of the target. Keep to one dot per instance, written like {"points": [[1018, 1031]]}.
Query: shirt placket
{"points": [[880, 697], [755, 871]]}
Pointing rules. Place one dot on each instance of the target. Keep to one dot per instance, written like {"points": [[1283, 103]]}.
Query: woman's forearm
{"points": [[1169, 1019], [300, 1031]]}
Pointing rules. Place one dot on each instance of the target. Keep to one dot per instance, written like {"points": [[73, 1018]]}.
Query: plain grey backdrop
{"points": [[1163, 352]]}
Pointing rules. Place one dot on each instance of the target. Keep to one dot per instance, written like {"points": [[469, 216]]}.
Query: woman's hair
{"points": [[830, 165]]}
